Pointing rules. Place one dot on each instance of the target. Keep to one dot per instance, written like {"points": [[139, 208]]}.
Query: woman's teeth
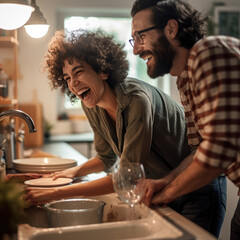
{"points": [[82, 92]]}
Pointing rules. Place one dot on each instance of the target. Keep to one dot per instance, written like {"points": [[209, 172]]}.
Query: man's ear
{"points": [[171, 29]]}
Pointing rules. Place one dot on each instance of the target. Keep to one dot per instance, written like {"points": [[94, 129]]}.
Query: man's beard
{"points": [[164, 55]]}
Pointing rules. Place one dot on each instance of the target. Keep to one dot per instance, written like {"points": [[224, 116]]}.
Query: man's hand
{"points": [[149, 187], [163, 197]]}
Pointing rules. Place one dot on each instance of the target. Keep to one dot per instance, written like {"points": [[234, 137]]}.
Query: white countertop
{"points": [[85, 137]]}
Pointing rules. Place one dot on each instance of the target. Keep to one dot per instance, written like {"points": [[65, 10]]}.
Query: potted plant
{"points": [[47, 128], [11, 210]]}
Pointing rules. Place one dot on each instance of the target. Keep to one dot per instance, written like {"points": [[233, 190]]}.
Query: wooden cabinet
{"points": [[9, 48]]}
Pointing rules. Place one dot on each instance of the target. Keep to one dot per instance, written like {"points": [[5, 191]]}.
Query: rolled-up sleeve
{"points": [[216, 97]]}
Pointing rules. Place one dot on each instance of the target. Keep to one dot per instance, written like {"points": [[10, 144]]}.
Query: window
{"points": [[227, 21], [120, 27]]}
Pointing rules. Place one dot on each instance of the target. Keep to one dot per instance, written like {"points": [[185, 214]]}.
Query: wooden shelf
{"points": [[8, 41], [8, 101]]}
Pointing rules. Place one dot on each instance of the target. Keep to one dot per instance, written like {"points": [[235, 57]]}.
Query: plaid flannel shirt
{"points": [[210, 93]]}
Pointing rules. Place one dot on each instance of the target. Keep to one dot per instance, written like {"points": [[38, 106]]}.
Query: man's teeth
{"points": [[146, 58]]}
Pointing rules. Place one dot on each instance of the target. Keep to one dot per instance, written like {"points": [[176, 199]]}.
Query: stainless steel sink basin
{"points": [[114, 211], [148, 224]]}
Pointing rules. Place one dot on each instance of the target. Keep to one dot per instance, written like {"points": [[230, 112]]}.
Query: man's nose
{"points": [[137, 48]]}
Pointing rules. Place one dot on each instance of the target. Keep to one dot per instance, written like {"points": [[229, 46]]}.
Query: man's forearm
{"points": [[181, 167], [194, 177]]}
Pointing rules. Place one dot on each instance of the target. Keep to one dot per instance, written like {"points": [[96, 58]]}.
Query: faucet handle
{"points": [[2, 148], [3, 144], [21, 128], [2, 163]]}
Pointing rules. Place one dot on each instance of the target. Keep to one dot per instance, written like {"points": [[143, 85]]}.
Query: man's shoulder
{"points": [[216, 41]]}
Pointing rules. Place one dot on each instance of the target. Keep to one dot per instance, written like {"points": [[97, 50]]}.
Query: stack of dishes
{"points": [[43, 165]]}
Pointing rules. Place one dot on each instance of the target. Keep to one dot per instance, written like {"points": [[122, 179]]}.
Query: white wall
{"points": [[232, 200]]}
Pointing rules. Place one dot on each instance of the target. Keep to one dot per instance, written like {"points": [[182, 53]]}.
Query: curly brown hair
{"points": [[96, 48]]}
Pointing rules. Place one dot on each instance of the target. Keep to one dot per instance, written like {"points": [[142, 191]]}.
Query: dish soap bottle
{"points": [[3, 83]]}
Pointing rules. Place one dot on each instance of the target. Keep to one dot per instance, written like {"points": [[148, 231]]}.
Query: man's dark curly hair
{"points": [[94, 47], [192, 26]]}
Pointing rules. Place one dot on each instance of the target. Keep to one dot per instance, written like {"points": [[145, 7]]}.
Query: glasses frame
{"points": [[138, 37]]}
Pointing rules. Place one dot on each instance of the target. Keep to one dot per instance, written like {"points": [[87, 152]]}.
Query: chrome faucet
{"points": [[11, 140], [21, 114]]}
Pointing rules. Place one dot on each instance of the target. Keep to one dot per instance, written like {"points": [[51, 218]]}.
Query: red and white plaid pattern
{"points": [[210, 93]]}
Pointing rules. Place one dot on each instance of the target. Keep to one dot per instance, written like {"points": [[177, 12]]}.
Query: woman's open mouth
{"points": [[83, 93]]}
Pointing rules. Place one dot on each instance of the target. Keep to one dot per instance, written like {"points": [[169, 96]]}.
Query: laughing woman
{"points": [[130, 119]]}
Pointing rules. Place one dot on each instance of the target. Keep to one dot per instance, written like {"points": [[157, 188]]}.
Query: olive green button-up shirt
{"points": [[150, 128]]}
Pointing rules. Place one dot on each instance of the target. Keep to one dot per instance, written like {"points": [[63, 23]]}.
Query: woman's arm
{"points": [[35, 196], [93, 165]]}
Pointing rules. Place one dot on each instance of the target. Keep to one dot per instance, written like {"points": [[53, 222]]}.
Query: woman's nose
{"points": [[74, 82]]}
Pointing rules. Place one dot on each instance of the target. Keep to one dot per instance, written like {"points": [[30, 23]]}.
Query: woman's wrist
{"points": [[78, 173]]}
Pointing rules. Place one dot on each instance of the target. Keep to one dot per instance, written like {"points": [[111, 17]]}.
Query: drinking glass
{"points": [[125, 179]]}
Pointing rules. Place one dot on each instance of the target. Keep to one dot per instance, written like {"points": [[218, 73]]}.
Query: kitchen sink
{"points": [[147, 224], [114, 211]]}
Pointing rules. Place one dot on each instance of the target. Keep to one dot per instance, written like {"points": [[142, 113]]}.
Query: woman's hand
{"points": [[68, 173], [93, 165], [37, 196], [150, 187]]}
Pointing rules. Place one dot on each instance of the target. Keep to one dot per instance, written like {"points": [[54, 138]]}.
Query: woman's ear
{"points": [[171, 29], [104, 76]]}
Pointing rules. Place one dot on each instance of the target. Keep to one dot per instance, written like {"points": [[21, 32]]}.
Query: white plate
{"points": [[43, 165], [48, 182], [39, 170], [46, 167], [45, 161]]}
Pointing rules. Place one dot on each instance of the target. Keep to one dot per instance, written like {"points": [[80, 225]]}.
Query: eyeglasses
{"points": [[138, 38]]}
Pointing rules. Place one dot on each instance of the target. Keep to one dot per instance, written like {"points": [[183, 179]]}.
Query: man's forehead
{"points": [[142, 20]]}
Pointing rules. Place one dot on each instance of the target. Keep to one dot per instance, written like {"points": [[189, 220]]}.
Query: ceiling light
{"points": [[36, 26], [14, 13]]}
